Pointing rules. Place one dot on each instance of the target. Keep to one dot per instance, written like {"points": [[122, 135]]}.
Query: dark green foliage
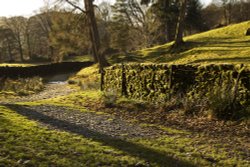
{"points": [[165, 16], [194, 20]]}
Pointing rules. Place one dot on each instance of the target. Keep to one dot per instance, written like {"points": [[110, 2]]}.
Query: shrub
{"points": [[224, 96], [109, 99], [22, 86]]}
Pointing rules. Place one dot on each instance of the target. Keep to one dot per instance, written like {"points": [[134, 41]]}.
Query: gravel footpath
{"points": [[50, 90], [84, 123]]}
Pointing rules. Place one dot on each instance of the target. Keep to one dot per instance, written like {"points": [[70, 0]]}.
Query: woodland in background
{"points": [[55, 33]]}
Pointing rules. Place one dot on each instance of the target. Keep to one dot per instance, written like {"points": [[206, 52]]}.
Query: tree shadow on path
{"points": [[150, 155]]}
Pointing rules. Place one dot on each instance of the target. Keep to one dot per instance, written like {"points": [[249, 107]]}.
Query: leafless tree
{"points": [[18, 26]]}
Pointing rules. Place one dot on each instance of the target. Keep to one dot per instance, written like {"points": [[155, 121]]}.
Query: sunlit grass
{"points": [[23, 142], [224, 45], [88, 77], [15, 65], [82, 58], [181, 144]]}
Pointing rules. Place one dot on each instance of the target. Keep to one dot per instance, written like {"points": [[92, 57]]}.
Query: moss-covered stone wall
{"points": [[42, 70], [162, 81]]}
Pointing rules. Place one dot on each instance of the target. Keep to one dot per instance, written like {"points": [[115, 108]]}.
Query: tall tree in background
{"points": [[180, 24], [194, 21], [64, 35], [93, 31], [18, 25], [6, 43], [120, 26], [164, 14], [129, 21]]}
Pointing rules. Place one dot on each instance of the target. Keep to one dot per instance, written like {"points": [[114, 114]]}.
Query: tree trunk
{"points": [[180, 24], [92, 47], [51, 52], [10, 53], [170, 36], [28, 44], [94, 34], [168, 26], [20, 51]]}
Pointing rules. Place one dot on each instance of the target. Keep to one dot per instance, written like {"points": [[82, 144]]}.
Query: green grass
{"points": [[20, 87], [87, 78], [16, 65], [224, 45], [83, 58], [23, 142], [79, 100], [181, 146]]}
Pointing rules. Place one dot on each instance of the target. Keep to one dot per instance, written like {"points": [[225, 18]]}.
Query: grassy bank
{"points": [[223, 45]]}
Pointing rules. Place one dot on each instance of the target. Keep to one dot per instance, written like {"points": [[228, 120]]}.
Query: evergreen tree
{"points": [[120, 27], [194, 20], [164, 14]]}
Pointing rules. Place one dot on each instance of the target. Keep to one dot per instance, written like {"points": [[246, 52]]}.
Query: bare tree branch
{"points": [[75, 6]]}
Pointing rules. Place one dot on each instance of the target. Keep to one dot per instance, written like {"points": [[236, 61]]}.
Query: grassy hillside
{"points": [[223, 45]]}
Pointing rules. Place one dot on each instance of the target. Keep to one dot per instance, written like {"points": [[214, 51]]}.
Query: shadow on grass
{"points": [[165, 54], [130, 148]]}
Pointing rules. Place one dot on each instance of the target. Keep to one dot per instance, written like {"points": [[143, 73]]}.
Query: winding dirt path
{"points": [[51, 90], [60, 117]]}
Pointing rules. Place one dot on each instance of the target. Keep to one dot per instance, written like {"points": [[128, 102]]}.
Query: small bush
{"points": [[194, 107], [109, 99], [223, 98], [22, 86]]}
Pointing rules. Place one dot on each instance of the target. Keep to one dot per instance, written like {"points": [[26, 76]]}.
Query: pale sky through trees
{"points": [[28, 7]]}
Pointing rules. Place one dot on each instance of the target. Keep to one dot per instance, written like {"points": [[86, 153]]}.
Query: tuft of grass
{"points": [[20, 86], [87, 78]]}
